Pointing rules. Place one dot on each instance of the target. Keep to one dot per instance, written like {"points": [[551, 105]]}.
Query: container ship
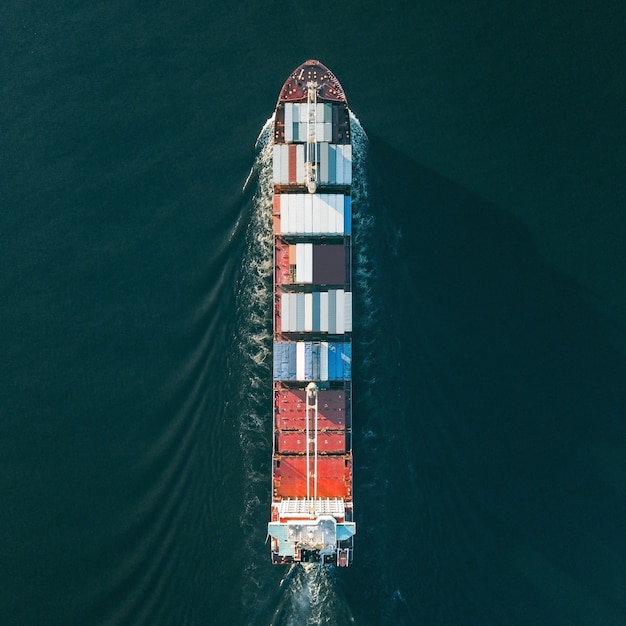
{"points": [[312, 508]]}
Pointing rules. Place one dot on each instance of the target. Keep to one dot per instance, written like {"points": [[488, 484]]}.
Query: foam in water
{"points": [[310, 596]]}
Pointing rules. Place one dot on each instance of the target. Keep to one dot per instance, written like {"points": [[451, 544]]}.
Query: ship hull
{"points": [[312, 516]]}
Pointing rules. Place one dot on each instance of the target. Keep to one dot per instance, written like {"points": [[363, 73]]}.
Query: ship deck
{"points": [[333, 409], [334, 462], [334, 477]]}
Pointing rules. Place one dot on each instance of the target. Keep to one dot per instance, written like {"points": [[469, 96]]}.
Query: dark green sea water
{"points": [[490, 346]]}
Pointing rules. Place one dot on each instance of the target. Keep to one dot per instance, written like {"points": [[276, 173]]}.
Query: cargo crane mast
{"points": [[311, 442], [310, 176]]}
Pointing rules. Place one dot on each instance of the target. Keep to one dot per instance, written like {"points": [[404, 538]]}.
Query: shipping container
{"points": [[304, 263], [347, 215], [313, 213], [308, 212], [293, 313], [284, 361], [288, 121], [300, 170], [284, 312], [319, 311], [276, 165], [312, 360], [284, 164], [308, 312], [347, 164], [339, 165], [324, 311], [292, 164], [328, 112], [300, 262], [300, 312], [340, 320], [324, 361], [300, 360], [298, 202], [308, 361], [323, 160], [316, 311], [329, 265], [348, 312]]}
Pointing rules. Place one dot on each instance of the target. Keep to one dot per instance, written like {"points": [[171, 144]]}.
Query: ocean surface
{"points": [[490, 312]]}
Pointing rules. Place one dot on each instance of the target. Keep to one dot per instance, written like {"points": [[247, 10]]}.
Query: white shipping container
{"points": [[347, 164], [319, 131], [288, 121], [338, 201], [328, 131], [300, 309], [339, 165], [308, 262], [331, 212], [276, 164], [284, 164], [296, 212], [298, 201], [315, 210], [323, 157], [324, 360], [293, 212], [324, 311], [295, 117], [284, 214], [348, 312], [300, 360], [304, 111], [340, 312], [319, 112], [308, 213], [300, 262], [333, 207], [300, 164], [284, 312], [293, 312], [339, 207], [308, 312], [324, 228]]}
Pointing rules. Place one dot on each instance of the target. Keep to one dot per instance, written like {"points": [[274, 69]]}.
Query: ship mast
{"points": [[311, 444], [310, 176]]}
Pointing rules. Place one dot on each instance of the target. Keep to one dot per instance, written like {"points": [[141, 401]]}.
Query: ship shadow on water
{"points": [[489, 439], [488, 428]]}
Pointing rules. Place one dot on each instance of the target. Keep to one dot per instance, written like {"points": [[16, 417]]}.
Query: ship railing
{"points": [[304, 506]]}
